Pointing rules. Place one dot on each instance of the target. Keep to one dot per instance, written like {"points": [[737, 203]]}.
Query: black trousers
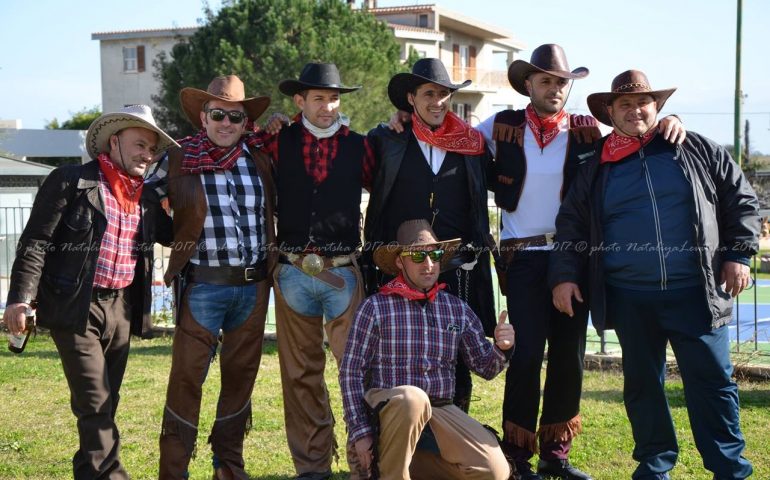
{"points": [[536, 320]]}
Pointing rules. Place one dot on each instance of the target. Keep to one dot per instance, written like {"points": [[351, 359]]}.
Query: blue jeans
{"points": [[223, 307], [311, 297], [645, 321]]}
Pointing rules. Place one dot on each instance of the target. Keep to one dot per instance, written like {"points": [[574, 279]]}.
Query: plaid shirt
{"points": [[234, 230], [118, 252], [395, 341], [319, 154]]}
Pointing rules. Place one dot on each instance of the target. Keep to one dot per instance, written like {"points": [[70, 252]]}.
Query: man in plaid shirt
{"points": [[399, 363]]}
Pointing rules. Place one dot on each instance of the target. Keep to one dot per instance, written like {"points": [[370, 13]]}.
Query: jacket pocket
{"points": [[79, 220]]}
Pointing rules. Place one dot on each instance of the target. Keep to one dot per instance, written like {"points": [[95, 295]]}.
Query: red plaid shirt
{"points": [[118, 253], [319, 153]]}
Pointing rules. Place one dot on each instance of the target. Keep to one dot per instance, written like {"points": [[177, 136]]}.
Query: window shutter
{"points": [[140, 58], [472, 54], [456, 55], [468, 112]]}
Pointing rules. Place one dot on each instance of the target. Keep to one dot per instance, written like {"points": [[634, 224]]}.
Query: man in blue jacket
{"points": [[665, 233]]}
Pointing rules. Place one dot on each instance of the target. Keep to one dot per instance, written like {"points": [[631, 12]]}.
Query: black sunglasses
{"points": [[218, 114], [419, 256]]}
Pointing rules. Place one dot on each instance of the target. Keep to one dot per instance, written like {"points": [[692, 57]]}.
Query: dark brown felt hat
{"points": [[228, 88], [548, 58], [630, 82]]}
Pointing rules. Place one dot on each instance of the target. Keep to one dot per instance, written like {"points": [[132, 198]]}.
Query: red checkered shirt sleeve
{"points": [[369, 163], [269, 144], [362, 342]]}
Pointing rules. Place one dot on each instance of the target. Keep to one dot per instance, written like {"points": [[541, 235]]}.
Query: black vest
{"points": [[324, 217], [511, 165], [416, 184]]}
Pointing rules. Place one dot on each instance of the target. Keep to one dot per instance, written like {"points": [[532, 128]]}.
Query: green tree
{"points": [[80, 120], [266, 41]]}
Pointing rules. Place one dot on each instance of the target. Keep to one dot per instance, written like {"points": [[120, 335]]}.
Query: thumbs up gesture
{"points": [[504, 334]]}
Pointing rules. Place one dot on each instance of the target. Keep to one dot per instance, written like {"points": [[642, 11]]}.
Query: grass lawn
{"points": [[38, 435]]}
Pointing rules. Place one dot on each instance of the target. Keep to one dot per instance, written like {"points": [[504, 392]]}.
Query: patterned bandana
{"points": [[544, 129], [202, 155], [126, 189], [454, 135], [618, 147], [398, 286]]}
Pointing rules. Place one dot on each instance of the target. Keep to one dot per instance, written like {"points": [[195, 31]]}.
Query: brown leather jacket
{"points": [[187, 200]]}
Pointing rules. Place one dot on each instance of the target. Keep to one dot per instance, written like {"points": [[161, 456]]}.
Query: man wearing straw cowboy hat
{"points": [[663, 233], [321, 168], [399, 362], [435, 170], [85, 257], [220, 189]]}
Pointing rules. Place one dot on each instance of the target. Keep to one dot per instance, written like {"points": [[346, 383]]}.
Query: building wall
{"points": [[121, 88]]}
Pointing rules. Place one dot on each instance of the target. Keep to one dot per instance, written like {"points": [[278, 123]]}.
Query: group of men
{"points": [[244, 209]]}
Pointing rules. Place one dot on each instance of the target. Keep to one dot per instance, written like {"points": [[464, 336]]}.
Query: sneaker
{"points": [[560, 469]]}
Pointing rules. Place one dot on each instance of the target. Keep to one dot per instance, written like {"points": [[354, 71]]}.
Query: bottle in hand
{"points": [[17, 343]]}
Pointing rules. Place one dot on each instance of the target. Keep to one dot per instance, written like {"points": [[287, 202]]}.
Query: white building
{"points": [[470, 49]]}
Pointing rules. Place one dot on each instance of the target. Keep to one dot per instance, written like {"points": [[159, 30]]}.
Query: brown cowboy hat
{"points": [[228, 88], [630, 82], [425, 70], [548, 58], [320, 76], [411, 235]]}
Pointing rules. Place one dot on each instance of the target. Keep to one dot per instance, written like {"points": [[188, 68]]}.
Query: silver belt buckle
{"points": [[247, 271], [549, 237], [312, 264]]}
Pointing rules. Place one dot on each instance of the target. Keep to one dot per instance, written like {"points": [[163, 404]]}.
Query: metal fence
{"points": [[750, 330]]}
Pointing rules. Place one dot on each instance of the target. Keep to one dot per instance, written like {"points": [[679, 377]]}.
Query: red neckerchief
{"points": [[454, 135], [126, 189], [398, 286], [544, 129], [618, 147], [202, 155]]}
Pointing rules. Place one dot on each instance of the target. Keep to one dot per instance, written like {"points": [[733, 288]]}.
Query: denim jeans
{"points": [[223, 307], [311, 297]]}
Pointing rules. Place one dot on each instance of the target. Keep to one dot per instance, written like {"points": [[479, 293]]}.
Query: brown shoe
{"points": [[222, 473]]}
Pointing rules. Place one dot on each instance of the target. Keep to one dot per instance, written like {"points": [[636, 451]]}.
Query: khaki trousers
{"points": [[307, 413], [467, 449]]}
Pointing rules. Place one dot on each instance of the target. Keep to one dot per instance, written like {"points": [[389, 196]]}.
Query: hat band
{"points": [[640, 87]]}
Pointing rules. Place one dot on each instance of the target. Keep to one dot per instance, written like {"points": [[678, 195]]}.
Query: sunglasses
{"points": [[218, 114], [419, 256]]}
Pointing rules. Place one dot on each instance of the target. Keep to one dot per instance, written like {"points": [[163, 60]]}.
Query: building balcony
{"points": [[483, 80]]}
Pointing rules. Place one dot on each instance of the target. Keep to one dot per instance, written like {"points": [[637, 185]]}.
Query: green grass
{"points": [[38, 436]]}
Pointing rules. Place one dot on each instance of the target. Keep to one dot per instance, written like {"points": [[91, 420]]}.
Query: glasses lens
{"points": [[217, 114], [235, 116], [436, 255]]}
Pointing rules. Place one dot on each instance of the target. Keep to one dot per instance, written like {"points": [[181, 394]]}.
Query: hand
{"points": [[505, 337], [276, 122], [562, 297], [364, 451], [672, 129], [735, 277], [398, 120], [15, 317]]}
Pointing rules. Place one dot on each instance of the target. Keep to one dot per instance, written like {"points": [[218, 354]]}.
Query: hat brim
{"points": [[385, 255], [519, 70], [403, 83], [598, 102], [107, 125], [293, 87], [193, 99]]}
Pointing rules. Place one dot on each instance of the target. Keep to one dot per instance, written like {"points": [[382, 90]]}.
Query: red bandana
{"points": [[618, 147], [454, 135], [202, 155], [398, 286], [544, 129], [127, 189]]}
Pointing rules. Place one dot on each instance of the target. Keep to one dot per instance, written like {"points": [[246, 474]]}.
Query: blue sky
{"points": [[49, 66]]}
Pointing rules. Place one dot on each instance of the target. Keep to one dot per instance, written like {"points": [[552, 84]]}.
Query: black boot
{"points": [[560, 469]]}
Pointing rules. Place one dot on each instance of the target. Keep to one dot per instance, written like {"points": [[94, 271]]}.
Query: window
{"points": [[422, 20], [422, 53], [463, 110], [133, 59]]}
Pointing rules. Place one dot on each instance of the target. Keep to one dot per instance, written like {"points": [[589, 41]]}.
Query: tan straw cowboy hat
{"points": [[130, 116], [411, 235]]}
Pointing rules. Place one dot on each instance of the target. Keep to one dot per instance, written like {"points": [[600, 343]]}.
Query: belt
{"points": [[509, 246], [101, 294], [227, 275], [318, 266]]}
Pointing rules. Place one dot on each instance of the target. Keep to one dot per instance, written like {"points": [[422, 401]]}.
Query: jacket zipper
{"points": [[656, 218]]}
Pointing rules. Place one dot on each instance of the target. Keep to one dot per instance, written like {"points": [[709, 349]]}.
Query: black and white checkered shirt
{"points": [[234, 229]]}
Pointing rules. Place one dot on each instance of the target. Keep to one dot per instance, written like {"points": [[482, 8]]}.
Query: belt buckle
{"points": [[312, 264], [246, 272], [549, 237]]}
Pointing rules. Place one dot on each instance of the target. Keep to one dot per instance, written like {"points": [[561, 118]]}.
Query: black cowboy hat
{"points": [[425, 70], [322, 76], [548, 58], [630, 82]]}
